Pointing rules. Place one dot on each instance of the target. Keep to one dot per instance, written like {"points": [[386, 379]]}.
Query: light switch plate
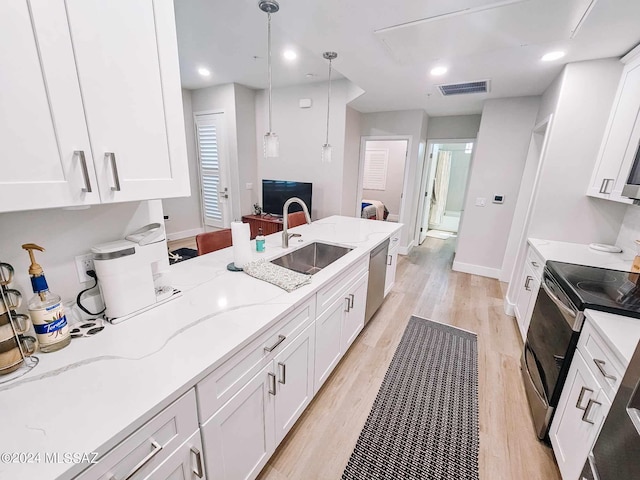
{"points": [[481, 202], [249, 186]]}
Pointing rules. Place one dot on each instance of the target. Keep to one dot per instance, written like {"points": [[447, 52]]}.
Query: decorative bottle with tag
{"points": [[260, 241], [45, 308]]}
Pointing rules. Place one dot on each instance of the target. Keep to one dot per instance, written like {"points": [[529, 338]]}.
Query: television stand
{"points": [[269, 224]]}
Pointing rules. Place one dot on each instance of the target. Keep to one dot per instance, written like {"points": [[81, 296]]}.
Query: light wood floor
{"points": [[320, 444]]}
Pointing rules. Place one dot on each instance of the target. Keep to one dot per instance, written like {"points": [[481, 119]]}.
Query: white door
{"points": [[354, 317], [430, 173], [579, 416], [43, 133], [186, 463], [328, 330], [294, 373], [239, 439], [127, 62], [212, 156]]}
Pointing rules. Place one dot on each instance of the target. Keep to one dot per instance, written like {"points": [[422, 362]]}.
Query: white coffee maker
{"points": [[126, 271]]}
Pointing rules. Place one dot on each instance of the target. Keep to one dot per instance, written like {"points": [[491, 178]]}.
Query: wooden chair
{"points": [[212, 241], [295, 219]]}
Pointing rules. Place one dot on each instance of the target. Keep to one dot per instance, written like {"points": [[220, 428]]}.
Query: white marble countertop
{"points": [[91, 395], [621, 333], [581, 254]]}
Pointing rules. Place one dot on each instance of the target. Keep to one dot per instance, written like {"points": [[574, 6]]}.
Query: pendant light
{"points": [[271, 142], [326, 148]]}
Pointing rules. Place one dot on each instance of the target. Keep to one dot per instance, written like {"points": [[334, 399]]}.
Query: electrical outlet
{"points": [[84, 263]]}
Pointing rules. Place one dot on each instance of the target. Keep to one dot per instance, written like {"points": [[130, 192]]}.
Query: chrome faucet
{"points": [[285, 219]]}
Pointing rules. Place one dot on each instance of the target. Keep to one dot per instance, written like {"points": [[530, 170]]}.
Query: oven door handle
{"points": [[557, 301], [541, 395]]}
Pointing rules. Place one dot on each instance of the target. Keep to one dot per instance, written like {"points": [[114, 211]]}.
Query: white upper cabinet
{"points": [[94, 81], [618, 146], [43, 133]]}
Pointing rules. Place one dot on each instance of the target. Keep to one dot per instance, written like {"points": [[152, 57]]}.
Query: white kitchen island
{"points": [[94, 394]]}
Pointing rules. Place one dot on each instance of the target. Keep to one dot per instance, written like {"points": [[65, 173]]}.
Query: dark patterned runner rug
{"points": [[424, 421]]}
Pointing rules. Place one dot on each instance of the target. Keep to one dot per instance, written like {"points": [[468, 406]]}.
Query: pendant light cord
{"points": [[269, 62], [328, 103]]}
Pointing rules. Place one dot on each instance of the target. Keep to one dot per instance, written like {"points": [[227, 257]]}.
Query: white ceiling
{"points": [[387, 48]]}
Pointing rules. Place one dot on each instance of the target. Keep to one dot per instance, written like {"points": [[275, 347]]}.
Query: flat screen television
{"points": [[276, 192]]}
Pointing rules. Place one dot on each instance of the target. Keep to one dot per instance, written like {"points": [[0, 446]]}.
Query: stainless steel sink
{"points": [[311, 258]]}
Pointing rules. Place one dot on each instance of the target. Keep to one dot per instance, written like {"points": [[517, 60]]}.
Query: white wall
{"points": [[351, 161], [65, 234], [391, 196], [245, 99], [455, 126], [185, 213], [302, 133], [630, 230], [407, 122], [497, 166], [562, 211]]}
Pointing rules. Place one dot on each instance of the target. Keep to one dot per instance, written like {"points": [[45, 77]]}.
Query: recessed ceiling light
{"points": [[551, 56], [205, 72], [310, 75], [439, 70], [289, 55]]}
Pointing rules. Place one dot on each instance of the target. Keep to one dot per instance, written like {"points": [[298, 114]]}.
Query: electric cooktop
{"points": [[612, 291]]}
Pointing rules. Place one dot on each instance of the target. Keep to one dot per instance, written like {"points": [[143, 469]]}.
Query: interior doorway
{"points": [[382, 177], [444, 185]]}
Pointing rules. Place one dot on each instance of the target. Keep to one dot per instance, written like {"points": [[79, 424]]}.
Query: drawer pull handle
{"points": [[272, 383], [156, 448], [198, 472], [351, 298], [527, 282], [389, 259], [281, 338], [114, 169], [348, 307], [600, 364], [583, 390], [85, 172], [587, 411], [535, 264], [282, 373]]}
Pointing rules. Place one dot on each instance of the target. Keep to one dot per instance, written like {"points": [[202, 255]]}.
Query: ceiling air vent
{"points": [[481, 86]]}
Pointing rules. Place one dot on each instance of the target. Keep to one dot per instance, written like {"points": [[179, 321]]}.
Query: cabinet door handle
{"points": [[606, 186], [272, 384], [282, 373], [587, 411], [198, 472], [535, 264], [351, 299], [348, 307], [281, 338], [389, 259], [155, 449], [114, 169], [600, 364], [85, 172], [583, 390], [527, 282]]}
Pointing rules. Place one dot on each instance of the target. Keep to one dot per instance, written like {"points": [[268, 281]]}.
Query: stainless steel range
{"points": [[566, 291]]}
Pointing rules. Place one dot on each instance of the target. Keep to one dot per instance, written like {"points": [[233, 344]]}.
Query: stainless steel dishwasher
{"points": [[377, 274]]}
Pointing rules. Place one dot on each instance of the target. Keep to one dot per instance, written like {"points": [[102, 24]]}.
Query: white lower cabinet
{"points": [[581, 411], [239, 438], [392, 263], [186, 463], [242, 435], [328, 350], [528, 290], [353, 320], [294, 385]]}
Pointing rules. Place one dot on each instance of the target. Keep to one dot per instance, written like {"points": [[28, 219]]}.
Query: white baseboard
{"points": [[393, 218], [476, 270], [406, 250], [184, 234], [509, 308]]}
